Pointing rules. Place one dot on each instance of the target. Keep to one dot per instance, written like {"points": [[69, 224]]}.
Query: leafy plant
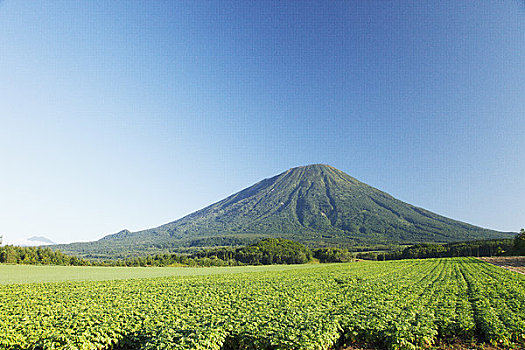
{"points": [[408, 304]]}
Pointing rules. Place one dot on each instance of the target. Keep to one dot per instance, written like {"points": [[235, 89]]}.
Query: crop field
{"points": [[513, 263], [48, 273], [395, 305]]}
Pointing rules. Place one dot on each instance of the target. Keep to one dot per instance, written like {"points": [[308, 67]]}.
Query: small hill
{"points": [[317, 205], [32, 242], [40, 240]]}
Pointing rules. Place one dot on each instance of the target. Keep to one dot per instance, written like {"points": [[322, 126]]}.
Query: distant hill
{"points": [[33, 241], [317, 205], [40, 239]]}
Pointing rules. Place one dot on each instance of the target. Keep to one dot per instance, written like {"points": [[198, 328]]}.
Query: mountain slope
{"points": [[316, 204]]}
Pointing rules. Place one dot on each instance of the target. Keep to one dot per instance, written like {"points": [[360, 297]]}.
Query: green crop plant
{"points": [[408, 304]]}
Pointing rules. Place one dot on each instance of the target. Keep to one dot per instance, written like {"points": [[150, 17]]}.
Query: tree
{"points": [[519, 242]]}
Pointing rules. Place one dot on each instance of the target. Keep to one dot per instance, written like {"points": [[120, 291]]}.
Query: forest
{"points": [[270, 251]]}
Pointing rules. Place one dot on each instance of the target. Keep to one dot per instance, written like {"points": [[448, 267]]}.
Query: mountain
{"points": [[317, 205], [41, 240], [33, 241]]}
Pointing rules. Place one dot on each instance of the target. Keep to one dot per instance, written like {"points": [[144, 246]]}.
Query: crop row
{"points": [[396, 305]]}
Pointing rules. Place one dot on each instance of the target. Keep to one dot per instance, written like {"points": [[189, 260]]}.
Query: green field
{"points": [[48, 273], [395, 305]]}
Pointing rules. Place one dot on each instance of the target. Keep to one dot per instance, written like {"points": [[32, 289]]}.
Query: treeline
{"points": [[265, 252], [519, 243], [38, 256], [429, 250]]}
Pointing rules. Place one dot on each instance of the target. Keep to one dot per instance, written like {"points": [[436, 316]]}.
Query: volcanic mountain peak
{"points": [[316, 204]]}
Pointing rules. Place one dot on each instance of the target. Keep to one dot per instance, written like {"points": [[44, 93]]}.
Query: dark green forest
{"points": [[475, 248], [269, 251], [265, 252]]}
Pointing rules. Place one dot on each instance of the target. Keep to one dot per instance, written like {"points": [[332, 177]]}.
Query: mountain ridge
{"points": [[316, 204]]}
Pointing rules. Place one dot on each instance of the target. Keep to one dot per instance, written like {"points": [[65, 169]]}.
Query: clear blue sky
{"points": [[132, 114]]}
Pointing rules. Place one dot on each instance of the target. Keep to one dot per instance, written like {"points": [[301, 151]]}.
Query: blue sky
{"points": [[129, 115]]}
